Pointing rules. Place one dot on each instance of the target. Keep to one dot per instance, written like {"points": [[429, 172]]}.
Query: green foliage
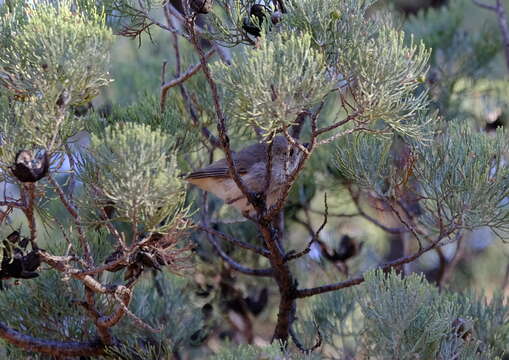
{"points": [[129, 165], [458, 50], [334, 25], [463, 178], [250, 352], [491, 318], [53, 58], [163, 302], [147, 111], [272, 99], [365, 159], [396, 326], [34, 303]]}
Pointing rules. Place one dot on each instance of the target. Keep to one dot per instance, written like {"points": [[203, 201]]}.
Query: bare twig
{"points": [[315, 236], [234, 241], [221, 121], [50, 347], [355, 198], [235, 265], [301, 293], [301, 347], [499, 10], [77, 220], [192, 70]]}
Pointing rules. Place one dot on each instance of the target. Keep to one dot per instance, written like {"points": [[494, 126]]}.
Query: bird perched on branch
{"points": [[251, 164]]}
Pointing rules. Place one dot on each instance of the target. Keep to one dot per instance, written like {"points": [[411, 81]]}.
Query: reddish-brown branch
{"points": [[302, 293], [77, 220], [338, 124], [192, 70], [221, 121], [233, 241], [50, 347], [235, 265]]}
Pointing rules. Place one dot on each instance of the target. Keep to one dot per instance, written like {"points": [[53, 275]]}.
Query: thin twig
{"points": [[235, 265], [221, 121], [234, 241], [301, 347], [192, 70], [77, 220], [499, 10], [302, 293]]}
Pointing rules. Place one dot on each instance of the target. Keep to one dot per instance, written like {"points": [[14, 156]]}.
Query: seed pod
{"points": [[201, 6], [347, 249], [114, 256], [276, 17], [30, 168], [249, 26]]}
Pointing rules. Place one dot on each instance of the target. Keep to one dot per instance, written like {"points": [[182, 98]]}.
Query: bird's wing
{"points": [[243, 160], [218, 170]]}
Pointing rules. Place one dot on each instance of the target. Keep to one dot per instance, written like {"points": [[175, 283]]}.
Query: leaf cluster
{"points": [[129, 165]]}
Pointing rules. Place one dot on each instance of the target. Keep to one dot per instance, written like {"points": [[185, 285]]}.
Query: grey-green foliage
{"points": [[336, 316], [398, 327], [45, 307], [250, 352], [407, 318], [269, 86], [332, 24], [365, 158], [395, 317], [491, 324], [164, 303], [53, 57], [458, 50], [147, 111], [463, 178], [383, 71], [129, 164]]}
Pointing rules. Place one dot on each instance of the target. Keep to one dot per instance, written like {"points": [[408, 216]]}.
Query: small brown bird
{"points": [[251, 164]]}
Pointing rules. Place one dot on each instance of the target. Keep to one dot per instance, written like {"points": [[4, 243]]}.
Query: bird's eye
{"points": [[291, 151]]}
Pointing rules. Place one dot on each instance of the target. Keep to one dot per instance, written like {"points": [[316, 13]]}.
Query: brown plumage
{"points": [[251, 166]]}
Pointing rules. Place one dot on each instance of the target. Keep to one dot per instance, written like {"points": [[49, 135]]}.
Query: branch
{"points": [[221, 124], [50, 347], [302, 293], [223, 53], [301, 347], [235, 265], [371, 219], [338, 124], [485, 6], [234, 241], [314, 235], [77, 220], [499, 9], [192, 70], [296, 128], [449, 266]]}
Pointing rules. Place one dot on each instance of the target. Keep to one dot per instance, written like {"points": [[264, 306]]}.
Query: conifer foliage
{"points": [[388, 124]]}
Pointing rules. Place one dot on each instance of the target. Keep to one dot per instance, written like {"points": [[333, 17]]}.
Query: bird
{"points": [[251, 165]]}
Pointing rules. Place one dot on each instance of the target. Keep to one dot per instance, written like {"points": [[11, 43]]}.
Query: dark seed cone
{"points": [[201, 6], [28, 168], [113, 257], [249, 26], [257, 305]]}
